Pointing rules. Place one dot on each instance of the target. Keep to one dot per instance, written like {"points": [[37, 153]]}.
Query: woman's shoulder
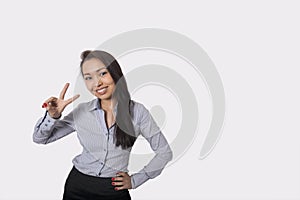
{"points": [[138, 107], [89, 105]]}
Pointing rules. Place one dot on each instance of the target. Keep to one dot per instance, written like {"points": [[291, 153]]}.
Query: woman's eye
{"points": [[87, 78], [102, 73]]}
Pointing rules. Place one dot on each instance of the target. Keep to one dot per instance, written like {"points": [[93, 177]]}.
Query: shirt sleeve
{"points": [[163, 153], [48, 129]]}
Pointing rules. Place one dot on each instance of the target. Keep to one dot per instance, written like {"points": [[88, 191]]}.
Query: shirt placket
{"points": [[105, 142]]}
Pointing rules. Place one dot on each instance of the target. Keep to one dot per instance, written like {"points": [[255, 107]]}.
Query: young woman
{"points": [[107, 128]]}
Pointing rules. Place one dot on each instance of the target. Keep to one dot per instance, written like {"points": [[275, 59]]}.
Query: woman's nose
{"points": [[98, 81]]}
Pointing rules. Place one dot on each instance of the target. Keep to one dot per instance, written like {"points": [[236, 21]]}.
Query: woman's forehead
{"points": [[92, 65]]}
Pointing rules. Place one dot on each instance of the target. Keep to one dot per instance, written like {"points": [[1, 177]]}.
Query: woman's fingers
{"points": [[55, 106], [51, 99], [61, 103], [72, 99], [118, 183], [64, 90], [50, 102], [122, 181], [119, 179], [62, 95]]}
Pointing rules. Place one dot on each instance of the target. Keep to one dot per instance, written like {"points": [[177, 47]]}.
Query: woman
{"points": [[107, 128]]}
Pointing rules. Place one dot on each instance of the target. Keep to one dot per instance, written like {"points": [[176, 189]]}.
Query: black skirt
{"points": [[80, 186]]}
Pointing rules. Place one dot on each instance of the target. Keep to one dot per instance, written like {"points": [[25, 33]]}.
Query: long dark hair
{"points": [[124, 130]]}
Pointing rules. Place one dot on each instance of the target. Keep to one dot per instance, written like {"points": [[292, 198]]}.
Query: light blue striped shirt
{"points": [[100, 156]]}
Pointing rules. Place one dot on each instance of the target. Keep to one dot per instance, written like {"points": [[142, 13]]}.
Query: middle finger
{"points": [[117, 183]]}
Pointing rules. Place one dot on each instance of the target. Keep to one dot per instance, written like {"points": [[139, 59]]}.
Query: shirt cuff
{"points": [[138, 179], [46, 122]]}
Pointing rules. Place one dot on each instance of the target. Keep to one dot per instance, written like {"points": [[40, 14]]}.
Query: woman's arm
{"points": [[48, 129], [158, 143]]}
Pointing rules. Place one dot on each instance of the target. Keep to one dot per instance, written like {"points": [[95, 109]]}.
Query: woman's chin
{"points": [[103, 97]]}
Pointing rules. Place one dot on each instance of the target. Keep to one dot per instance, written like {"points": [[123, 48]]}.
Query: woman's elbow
{"points": [[38, 140], [168, 155]]}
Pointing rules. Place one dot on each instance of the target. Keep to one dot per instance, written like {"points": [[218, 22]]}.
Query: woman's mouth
{"points": [[101, 91]]}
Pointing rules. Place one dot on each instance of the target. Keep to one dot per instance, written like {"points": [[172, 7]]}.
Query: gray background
{"points": [[254, 46]]}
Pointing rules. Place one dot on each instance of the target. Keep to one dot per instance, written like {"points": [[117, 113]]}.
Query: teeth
{"points": [[102, 90]]}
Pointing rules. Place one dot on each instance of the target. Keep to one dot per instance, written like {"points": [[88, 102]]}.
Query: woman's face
{"points": [[98, 79]]}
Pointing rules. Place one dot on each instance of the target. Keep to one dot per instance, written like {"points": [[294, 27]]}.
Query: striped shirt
{"points": [[100, 156]]}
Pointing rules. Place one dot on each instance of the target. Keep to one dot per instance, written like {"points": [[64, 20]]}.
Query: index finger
{"points": [[117, 179], [64, 90], [121, 174]]}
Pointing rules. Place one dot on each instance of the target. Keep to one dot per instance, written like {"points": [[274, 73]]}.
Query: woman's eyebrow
{"points": [[95, 71]]}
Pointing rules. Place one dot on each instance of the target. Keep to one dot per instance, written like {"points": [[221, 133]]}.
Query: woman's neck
{"points": [[107, 104]]}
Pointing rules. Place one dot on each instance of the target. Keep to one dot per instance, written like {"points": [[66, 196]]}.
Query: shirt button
{"points": [[101, 163], [99, 173], [46, 124], [48, 120], [104, 149]]}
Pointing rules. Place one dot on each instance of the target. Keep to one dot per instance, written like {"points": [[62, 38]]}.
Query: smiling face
{"points": [[98, 79]]}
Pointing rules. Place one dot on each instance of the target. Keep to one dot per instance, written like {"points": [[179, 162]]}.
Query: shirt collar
{"points": [[95, 104]]}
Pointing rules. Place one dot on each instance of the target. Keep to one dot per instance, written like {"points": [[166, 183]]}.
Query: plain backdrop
{"points": [[254, 46]]}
